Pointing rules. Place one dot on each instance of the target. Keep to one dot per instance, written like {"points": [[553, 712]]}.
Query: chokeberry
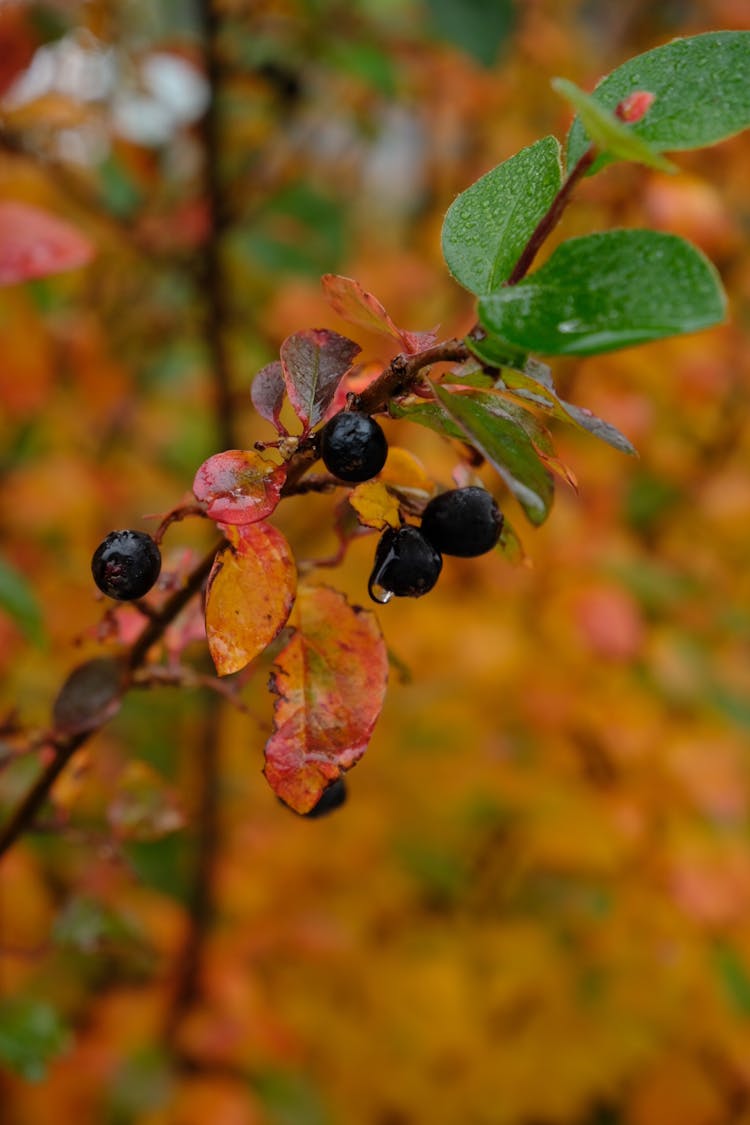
{"points": [[406, 565], [353, 446], [126, 565], [464, 522]]}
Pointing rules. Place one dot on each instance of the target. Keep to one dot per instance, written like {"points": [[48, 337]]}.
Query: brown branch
{"points": [[548, 222], [404, 371], [187, 987], [64, 744], [213, 287], [200, 906]]}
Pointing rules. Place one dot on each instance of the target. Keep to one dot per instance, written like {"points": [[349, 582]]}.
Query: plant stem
{"points": [[403, 372], [548, 222]]}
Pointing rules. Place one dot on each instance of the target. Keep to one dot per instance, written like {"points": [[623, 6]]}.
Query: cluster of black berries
{"points": [[464, 521], [126, 565]]}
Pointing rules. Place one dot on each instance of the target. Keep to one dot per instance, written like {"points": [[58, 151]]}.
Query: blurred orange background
{"points": [[534, 908]]}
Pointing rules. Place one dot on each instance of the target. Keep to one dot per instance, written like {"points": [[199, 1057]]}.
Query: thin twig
{"points": [[65, 745], [548, 222]]}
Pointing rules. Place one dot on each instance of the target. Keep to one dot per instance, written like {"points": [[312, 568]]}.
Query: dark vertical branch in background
{"points": [[200, 907], [189, 972], [214, 292]]}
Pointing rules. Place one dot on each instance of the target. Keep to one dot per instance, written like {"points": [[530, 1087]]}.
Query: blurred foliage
{"points": [[533, 908]]}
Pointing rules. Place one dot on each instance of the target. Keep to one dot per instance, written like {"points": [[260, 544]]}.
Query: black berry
{"points": [[406, 565], [126, 565], [353, 446], [464, 522]]}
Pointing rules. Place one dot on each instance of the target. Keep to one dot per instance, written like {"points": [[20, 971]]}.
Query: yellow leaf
{"points": [[250, 594], [374, 505], [404, 470]]}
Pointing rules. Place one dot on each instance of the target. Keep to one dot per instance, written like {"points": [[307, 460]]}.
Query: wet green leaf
{"points": [[506, 445], [607, 291], [488, 225], [610, 135], [702, 93]]}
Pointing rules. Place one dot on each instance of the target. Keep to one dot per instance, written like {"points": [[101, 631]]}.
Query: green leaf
{"points": [[430, 415], [494, 352], [701, 87], [488, 225], [478, 27], [613, 137], [31, 1035], [734, 977], [17, 600], [506, 445], [605, 431], [607, 291], [510, 545], [531, 381]]}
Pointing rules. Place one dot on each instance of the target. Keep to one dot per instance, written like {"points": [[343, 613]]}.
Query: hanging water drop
{"points": [[379, 593]]}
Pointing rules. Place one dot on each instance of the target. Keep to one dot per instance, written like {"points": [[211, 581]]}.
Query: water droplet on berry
{"points": [[379, 593]]}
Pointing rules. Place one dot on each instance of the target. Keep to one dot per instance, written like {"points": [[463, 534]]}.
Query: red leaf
{"points": [[238, 486], [36, 244], [314, 363], [330, 681], [268, 392], [249, 595], [353, 303]]}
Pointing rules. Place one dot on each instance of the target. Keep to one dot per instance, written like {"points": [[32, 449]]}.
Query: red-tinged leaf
{"points": [[555, 465], [330, 681], [34, 243], [268, 393], [314, 363], [354, 382], [238, 486], [417, 341], [249, 595], [353, 303]]}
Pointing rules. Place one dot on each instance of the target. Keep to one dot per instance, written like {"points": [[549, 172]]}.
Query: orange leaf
{"points": [[404, 470], [238, 486], [34, 243], [330, 681], [353, 303], [249, 596]]}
